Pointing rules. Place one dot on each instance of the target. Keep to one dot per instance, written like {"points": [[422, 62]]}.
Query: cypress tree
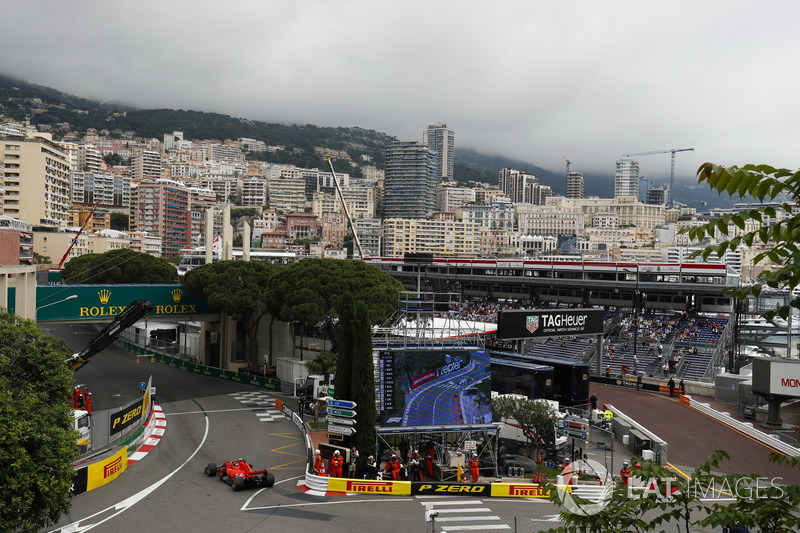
{"points": [[363, 385], [344, 360]]}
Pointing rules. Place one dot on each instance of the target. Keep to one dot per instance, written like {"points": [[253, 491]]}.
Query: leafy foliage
{"points": [[346, 342], [311, 289], [535, 417], [666, 501], [324, 364], [119, 221], [766, 184], [238, 288], [363, 384], [118, 267], [37, 442]]}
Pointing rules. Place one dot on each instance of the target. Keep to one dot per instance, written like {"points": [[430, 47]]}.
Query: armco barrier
{"points": [[745, 427], [176, 362]]}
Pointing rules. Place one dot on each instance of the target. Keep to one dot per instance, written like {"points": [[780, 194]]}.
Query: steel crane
{"points": [[672, 168], [568, 163]]}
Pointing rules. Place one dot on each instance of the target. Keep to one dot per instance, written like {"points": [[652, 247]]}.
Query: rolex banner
{"points": [[547, 323], [99, 303]]}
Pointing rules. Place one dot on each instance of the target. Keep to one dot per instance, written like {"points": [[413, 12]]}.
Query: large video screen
{"points": [[434, 387]]}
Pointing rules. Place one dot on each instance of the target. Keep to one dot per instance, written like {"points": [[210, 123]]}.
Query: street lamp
{"points": [[70, 297]]}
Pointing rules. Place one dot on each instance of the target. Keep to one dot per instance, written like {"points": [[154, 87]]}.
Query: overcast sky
{"points": [[527, 79]]}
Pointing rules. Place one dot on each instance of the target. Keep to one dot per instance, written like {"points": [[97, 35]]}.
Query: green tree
{"points": [[363, 385], [329, 280], [117, 267], [324, 365], [37, 442], [237, 288], [41, 259], [536, 418], [669, 502], [119, 220], [759, 503], [781, 234], [345, 341]]}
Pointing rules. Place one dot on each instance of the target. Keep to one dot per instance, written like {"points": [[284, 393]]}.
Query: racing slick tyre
{"points": [[268, 479], [237, 483], [211, 470]]}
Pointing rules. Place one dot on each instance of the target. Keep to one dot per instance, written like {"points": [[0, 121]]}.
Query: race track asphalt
{"points": [[693, 436]]}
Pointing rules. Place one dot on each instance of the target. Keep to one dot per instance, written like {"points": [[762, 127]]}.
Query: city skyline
{"points": [[526, 81]]}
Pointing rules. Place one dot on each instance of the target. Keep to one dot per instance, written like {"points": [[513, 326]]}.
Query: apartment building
{"points": [[254, 191], [141, 241], [35, 178], [630, 211], [106, 189], [575, 185], [16, 242], [369, 235], [226, 187], [287, 192], [441, 141], [449, 196], [333, 228], [548, 220], [302, 226], [163, 208], [410, 180], [626, 178], [146, 164], [447, 237]]}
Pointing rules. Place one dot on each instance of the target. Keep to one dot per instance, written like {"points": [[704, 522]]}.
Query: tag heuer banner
{"points": [[546, 323]]}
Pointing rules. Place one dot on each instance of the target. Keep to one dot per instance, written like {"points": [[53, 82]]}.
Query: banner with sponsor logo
{"points": [[104, 302], [366, 486], [545, 323], [521, 490], [175, 362], [102, 472], [134, 412], [467, 489]]}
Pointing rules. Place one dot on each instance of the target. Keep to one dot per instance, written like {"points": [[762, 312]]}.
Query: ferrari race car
{"points": [[240, 474]]}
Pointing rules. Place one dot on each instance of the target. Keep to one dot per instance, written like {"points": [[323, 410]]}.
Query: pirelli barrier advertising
{"points": [[405, 488], [101, 472], [174, 362]]}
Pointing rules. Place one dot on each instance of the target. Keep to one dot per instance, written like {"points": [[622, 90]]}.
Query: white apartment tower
{"points": [[626, 178], [440, 139]]}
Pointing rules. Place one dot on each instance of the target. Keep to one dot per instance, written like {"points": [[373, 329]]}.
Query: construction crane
{"points": [[346, 211], [568, 163], [672, 168]]}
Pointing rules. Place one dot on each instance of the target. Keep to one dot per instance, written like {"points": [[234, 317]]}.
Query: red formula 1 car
{"points": [[240, 474]]}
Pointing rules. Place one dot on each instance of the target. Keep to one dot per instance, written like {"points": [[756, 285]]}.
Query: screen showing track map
{"points": [[435, 387]]}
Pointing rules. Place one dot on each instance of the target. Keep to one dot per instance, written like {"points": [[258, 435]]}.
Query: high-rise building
{"points": [[575, 185], [440, 139], [35, 178], [105, 189], [521, 187], [657, 195], [146, 165], [626, 178], [410, 180], [163, 208]]}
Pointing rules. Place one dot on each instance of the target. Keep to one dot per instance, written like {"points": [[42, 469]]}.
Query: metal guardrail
{"points": [[747, 428]]}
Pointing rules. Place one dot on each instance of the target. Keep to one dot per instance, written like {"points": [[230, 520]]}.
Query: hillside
{"points": [[62, 113]]}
